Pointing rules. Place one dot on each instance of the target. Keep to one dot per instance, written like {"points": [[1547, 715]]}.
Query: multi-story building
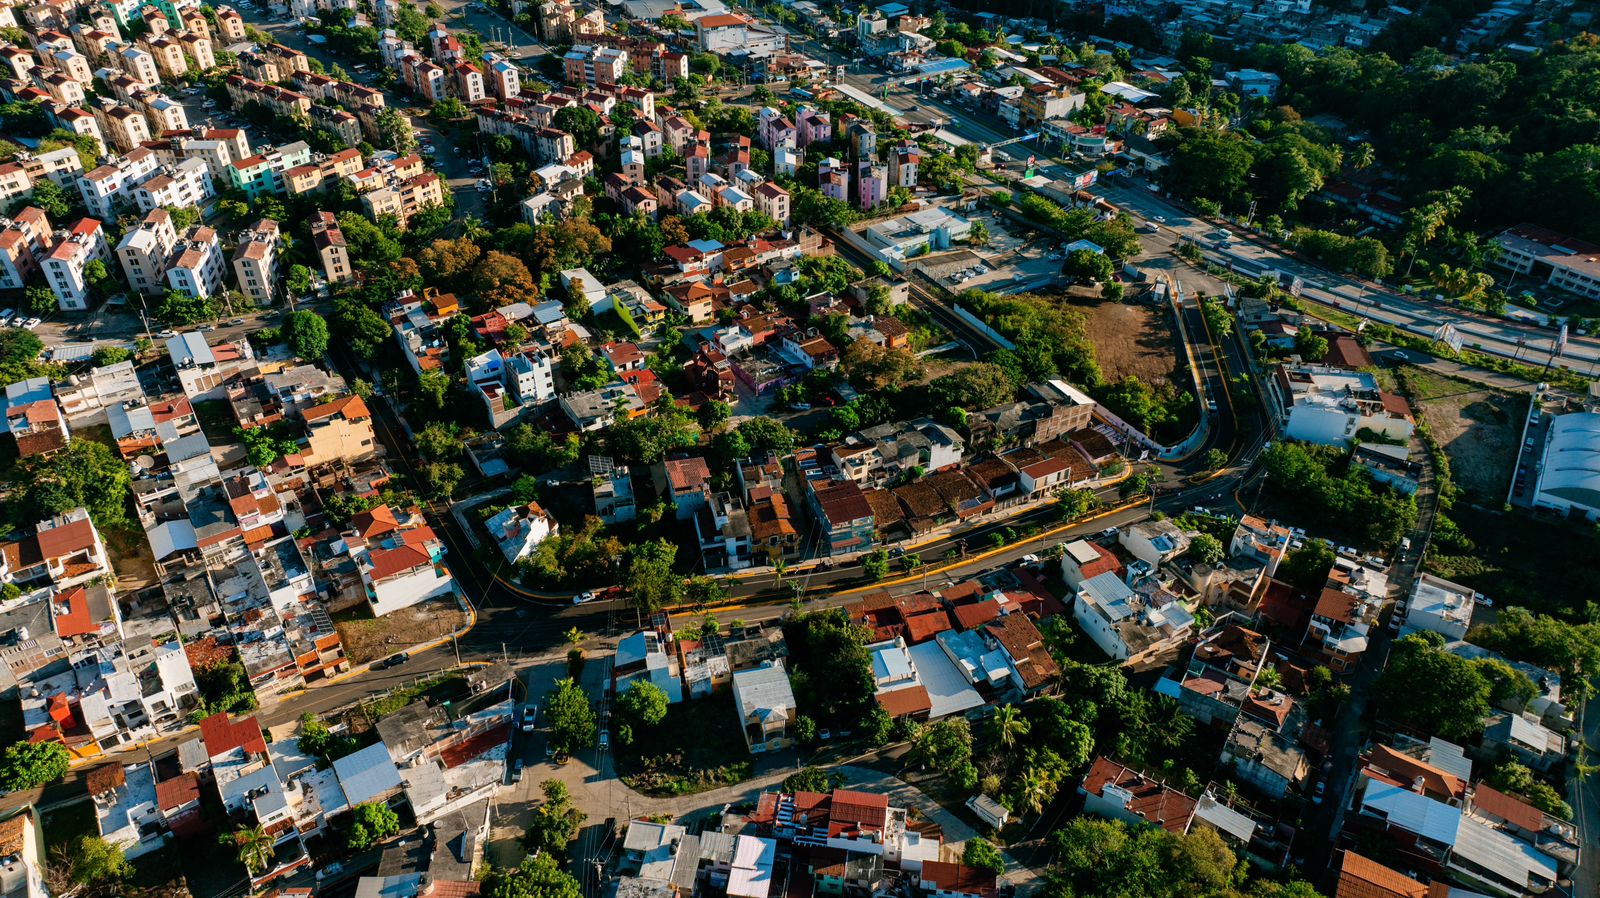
{"points": [[109, 188], [199, 48], [844, 517], [727, 33], [833, 179], [255, 261], [144, 251], [330, 246], [168, 54], [196, 267], [140, 65], [404, 198], [123, 125], [218, 148], [279, 100], [504, 79], [1565, 262], [469, 82], [23, 239], [595, 65], [872, 184], [161, 112], [183, 186], [1322, 404], [903, 161], [66, 265]]}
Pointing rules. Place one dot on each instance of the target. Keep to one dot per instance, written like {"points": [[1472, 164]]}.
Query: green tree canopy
{"points": [[306, 333], [539, 876], [370, 824], [571, 717], [644, 702], [1433, 691], [28, 764]]}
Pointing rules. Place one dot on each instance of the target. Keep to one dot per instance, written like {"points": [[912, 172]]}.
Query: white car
{"points": [[32, 323], [1030, 559], [583, 597], [484, 186]]}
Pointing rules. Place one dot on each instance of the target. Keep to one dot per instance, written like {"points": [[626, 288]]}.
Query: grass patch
{"points": [[216, 421], [697, 747], [66, 824], [1495, 553], [1477, 427], [445, 686]]}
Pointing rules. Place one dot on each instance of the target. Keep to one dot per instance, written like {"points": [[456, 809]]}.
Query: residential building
{"points": [[186, 185], [66, 265], [1439, 606], [646, 657], [1321, 404], [401, 566], [766, 707], [331, 249], [844, 518], [38, 427], [196, 264], [685, 481], [1154, 542], [1118, 792], [65, 551], [338, 431], [255, 261], [23, 240], [518, 530], [404, 198]]}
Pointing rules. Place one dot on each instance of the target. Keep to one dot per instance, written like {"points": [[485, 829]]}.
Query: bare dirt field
{"points": [[1131, 338], [1477, 426], [368, 639]]}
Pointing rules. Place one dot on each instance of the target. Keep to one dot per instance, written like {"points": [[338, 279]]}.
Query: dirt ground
{"points": [[1132, 338], [367, 638], [1477, 426]]}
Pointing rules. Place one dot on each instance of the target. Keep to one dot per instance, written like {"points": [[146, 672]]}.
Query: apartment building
{"points": [[504, 79], [595, 65], [168, 53], [331, 249], [144, 251], [67, 263], [23, 239], [184, 186], [404, 198], [196, 266], [255, 261], [140, 65], [280, 100], [161, 112], [123, 125], [199, 48], [109, 188]]}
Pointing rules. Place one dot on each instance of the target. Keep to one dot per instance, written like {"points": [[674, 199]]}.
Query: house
{"points": [[685, 481], [1389, 465], [338, 431], [398, 566], [125, 807], [843, 515], [1118, 792], [645, 656], [1082, 560], [766, 707], [940, 879], [64, 551], [520, 530], [1126, 625], [1525, 738], [23, 852], [1363, 878], [1439, 606], [38, 427], [1154, 542], [1031, 669], [1264, 758]]}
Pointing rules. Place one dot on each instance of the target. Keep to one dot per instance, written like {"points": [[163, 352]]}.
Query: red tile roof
{"points": [[178, 791], [1363, 878], [948, 877], [975, 615], [1153, 801], [865, 810], [73, 617], [1435, 783], [1507, 807], [923, 627], [222, 735], [906, 702], [66, 539]]}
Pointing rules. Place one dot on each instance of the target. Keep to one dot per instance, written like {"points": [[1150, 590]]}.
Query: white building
{"points": [[112, 185], [144, 251], [1154, 542], [67, 264], [255, 261], [766, 707], [928, 231], [196, 266], [518, 530], [183, 186], [1439, 606], [1124, 624], [1569, 479], [1322, 404]]}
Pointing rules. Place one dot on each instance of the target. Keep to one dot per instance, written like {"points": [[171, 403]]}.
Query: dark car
{"points": [[394, 660]]}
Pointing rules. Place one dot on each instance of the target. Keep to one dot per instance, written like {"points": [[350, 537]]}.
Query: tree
{"points": [[265, 445], [980, 386], [39, 299], [1306, 568], [180, 308], [712, 413], [539, 876], [1007, 726], [370, 824], [1216, 460], [644, 702], [298, 281], [1206, 549], [1108, 857], [1085, 266], [571, 717], [1516, 779], [556, 821], [582, 123], [50, 197], [254, 847], [878, 725], [502, 279], [651, 583], [811, 779], [96, 862], [447, 259], [362, 329], [306, 333], [942, 745], [84, 474], [1311, 346], [874, 367], [28, 764], [876, 564], [1433, 691], [1573, 650], [981, 854], [108, 355], [394, 129]]}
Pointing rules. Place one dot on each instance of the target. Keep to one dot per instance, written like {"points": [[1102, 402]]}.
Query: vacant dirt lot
{"points": [[367, 638], [1131, 338], [1477, 426]]}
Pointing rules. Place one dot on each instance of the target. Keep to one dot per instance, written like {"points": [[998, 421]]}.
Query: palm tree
{"points": [[574, 636], [1033, 791], [255, 847], [779, 568], [1008, 725], [1269, 678]]}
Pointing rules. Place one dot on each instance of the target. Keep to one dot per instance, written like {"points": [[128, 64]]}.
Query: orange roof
{"points": [[1148, 799], [388, 563], [1509, 808], [72, 614], [1363, 878], [959, 878], [222, 735], [1434, 782], [76, 536], [375, 522], [906, 702], [351, 407]]}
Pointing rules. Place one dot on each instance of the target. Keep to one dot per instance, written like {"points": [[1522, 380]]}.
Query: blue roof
{"points": [[944, 66]]}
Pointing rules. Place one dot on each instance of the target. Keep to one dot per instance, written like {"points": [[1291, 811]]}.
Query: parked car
{"points": [[237, 322], [530, 714], [605, 739], [7, 315], [1030, 558], [1318, 791], [584, 597], [31, 323], [516, 771], [394, 660]]}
